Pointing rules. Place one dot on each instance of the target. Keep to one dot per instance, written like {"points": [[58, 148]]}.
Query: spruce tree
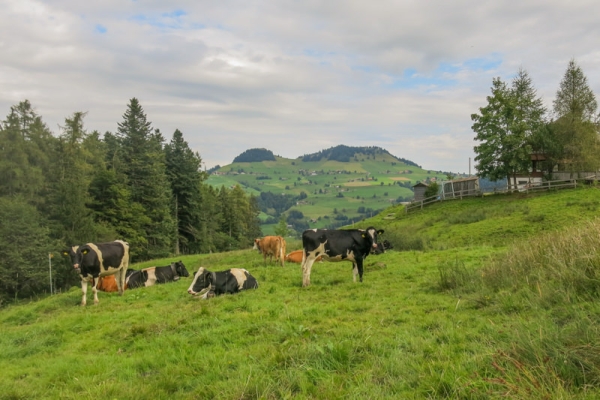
{"points": [[575, 112], [143, 162], [185, 178]]}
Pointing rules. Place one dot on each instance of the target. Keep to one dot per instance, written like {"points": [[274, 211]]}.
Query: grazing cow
{"points": [[271, 246], [153, 275], [352, 245], [93, 260], [296, 257], [210, 284]]}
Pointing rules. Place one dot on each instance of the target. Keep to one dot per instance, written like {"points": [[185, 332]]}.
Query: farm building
{"points": [[458, 188], [419, 190]]}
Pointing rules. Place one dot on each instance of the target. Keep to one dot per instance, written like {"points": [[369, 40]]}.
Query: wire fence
{"points": [[459, 194]]}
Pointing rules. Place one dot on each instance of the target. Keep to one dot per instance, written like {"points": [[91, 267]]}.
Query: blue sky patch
{"points": [[100, 29]]}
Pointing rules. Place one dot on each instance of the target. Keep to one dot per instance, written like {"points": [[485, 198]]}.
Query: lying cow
{"points": [[296, 257], [210, 284], [156, 275], [271, 246], [109, 283], [93, 260], [352, 245]]}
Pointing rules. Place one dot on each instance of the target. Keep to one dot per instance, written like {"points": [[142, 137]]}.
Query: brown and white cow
{"points": [[93, 260], [271, 246]]}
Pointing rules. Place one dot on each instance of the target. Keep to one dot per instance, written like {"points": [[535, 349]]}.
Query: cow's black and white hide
{"points": [[209, 284], [352, 245], [157, 275], [93, 260]]}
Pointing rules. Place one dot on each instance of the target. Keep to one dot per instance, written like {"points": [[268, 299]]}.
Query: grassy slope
{"points": [[397, 335]]}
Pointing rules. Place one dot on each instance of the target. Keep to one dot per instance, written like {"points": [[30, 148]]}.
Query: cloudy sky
{"points": [[291, 76]]}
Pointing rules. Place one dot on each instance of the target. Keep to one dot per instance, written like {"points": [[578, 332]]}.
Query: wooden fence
{"points": [[548, 185]]}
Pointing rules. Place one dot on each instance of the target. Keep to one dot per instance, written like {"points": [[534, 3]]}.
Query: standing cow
{"points": [[352, 245], [210, 284], [153, 275], [271, 246], [93, 260]]}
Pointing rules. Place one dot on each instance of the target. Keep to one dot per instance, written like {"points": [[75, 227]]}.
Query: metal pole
{"points": [[50, 268]]}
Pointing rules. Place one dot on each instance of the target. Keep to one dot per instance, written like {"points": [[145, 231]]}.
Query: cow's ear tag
{"points": [[65, 253], [85, 251], [363, 235]]}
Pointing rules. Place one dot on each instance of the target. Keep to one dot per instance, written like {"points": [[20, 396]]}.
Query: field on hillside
{"points": [[371, 183], [501, 305]]}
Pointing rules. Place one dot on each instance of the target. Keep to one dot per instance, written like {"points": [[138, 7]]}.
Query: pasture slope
{"points": [[469, 309]]}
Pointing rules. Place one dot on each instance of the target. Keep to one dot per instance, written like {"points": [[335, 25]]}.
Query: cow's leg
{"points": [[120, 278], [359, 264], [306, 267], [354, 271], [83, 292], [95, 290]]}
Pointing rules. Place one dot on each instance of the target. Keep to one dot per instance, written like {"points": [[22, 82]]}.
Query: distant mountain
{"points": [[343, 153], [255, 155]]}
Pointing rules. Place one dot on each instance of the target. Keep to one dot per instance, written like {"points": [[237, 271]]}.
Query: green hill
{"points": [[493, 297], [333, 187]]}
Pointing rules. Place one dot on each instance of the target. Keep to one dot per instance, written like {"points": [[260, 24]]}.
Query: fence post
{"points": [[50, 269]]}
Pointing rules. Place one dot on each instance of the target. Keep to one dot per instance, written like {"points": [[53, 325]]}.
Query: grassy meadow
{"points": [[493, 297]]}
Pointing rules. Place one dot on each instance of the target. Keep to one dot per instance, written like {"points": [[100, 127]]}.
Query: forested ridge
{"points": [[78, 186]]}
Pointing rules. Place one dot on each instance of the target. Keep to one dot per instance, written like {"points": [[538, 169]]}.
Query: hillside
{"points": [[330, 188], [436, 322]]}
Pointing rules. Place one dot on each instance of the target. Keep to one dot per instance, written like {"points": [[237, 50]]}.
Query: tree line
{"points": [[515, 124], [79, 186]]}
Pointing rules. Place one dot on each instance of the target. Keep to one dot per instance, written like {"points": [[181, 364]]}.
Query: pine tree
{"points": [[70, 178], [575, 112], [25, 153], [143, 162], [185, 177]]}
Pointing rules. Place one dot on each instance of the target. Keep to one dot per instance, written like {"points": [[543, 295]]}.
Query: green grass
{"points": [[473, 314]]}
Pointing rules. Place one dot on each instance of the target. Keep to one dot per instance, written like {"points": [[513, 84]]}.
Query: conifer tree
{"points": [[185, 177], [575, 112], [143, 162], [70, 179]]}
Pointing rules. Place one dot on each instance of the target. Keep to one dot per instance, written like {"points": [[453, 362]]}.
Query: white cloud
{"points": [[294, 77]]}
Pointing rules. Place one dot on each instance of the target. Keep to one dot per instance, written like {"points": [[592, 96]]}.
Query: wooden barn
{"points": [[419, 190], [459, 188]]}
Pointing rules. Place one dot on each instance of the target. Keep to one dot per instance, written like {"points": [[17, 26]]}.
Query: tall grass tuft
{"points": [[557, 277]]}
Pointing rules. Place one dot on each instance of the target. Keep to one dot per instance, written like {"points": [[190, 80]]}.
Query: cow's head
{"points": [[180, 269], [71, 252], [202, 280], [371, 236], [256, 245]]}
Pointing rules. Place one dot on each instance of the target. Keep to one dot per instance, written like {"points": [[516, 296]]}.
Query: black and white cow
{"points": [[153, 275], [210, 284], [93, 260], [352, 245]]}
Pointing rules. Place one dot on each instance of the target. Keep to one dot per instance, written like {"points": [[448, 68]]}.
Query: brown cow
{"points": [[271, 246], [107, 284], [296, 257]]}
